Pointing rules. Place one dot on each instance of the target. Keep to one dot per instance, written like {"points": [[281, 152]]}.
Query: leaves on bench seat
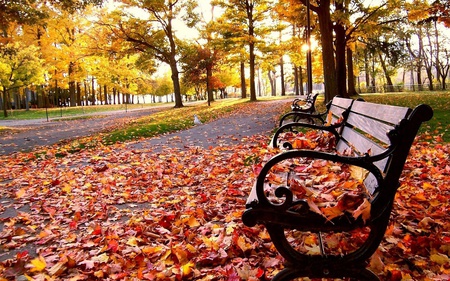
{"points": [[330, 188], [311, 139]]}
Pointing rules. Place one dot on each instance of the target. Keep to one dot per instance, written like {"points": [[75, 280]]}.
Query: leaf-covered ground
{"points": [[113, 213]]}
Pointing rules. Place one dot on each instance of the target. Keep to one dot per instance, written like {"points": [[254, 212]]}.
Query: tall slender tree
{"points": [[151, 31], [244, 20]]}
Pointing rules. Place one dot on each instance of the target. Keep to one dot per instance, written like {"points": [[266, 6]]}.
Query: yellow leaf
{"points": [[99, 274], [38, 263], [103, 258], [243, 245], [67, 188], [191, 248], [152, 250], [180, 254], [329, 118], [20, 193], [331, 212], [358, 173], [186, 269], [427, 185], [439, 258], [132, 241]]}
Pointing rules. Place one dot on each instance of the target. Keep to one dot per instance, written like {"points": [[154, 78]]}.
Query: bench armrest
{"points": [[258, 197], [290, 126], [301, 115]]}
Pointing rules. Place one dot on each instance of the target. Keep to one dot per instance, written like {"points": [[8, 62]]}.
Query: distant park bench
{"points": [[311, 222], [299, 107], [306, 105], [336, 111]]}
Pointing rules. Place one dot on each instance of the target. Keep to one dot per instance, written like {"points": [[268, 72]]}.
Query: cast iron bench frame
{"points": [[336, 109], [364, 128], [306, 105]]}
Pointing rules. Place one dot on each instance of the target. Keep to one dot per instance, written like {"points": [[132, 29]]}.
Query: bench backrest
{"points": [[336, 108], [377, 130]]}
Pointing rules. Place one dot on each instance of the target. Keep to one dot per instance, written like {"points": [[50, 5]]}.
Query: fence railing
{"points": [[401, 88]]}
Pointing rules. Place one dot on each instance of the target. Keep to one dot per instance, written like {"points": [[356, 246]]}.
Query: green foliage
{"points": [[20, 66]]}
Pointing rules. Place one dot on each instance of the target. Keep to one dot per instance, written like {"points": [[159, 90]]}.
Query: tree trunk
{"points": [[367, 70], [296, 78], [351, 76], [105, 90], [340, 60], [93, 92], [5, 98], [251, 35], [243, 86], [273, 84], [78, 93], [389, 83], [300, 72], [100, 94], [208, 84], [71, 85], [429, 72], [329, 67], [438, 49], [176, 84], [283, 86], [252, 72]]}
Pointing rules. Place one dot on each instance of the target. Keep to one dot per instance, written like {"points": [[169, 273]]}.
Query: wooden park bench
{"points": [[313, 117], [336, 112], [327, 211], [306, 105]]}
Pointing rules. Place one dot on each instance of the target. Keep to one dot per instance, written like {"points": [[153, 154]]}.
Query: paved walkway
{"points": [[28, 134]]}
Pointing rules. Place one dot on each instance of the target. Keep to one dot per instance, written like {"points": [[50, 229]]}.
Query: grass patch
{"points": [[171, 120], [59, 112]]}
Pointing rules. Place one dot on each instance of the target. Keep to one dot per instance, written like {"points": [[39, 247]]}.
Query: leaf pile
{"points": [[115, 214], [331, 189], [311, 139]]}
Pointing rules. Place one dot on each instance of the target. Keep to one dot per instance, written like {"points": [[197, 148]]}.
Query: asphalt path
{"points": [[25, 135]]}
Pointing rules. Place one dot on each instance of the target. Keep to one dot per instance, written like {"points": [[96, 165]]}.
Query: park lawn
{"points": [[63, 112]]}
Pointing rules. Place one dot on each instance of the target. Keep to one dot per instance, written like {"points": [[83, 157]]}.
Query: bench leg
{"points": [[301, 265]]}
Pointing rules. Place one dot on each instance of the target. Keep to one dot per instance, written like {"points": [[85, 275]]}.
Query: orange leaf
{"points": [[332, 212], [363, 210], [20, 193]]}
